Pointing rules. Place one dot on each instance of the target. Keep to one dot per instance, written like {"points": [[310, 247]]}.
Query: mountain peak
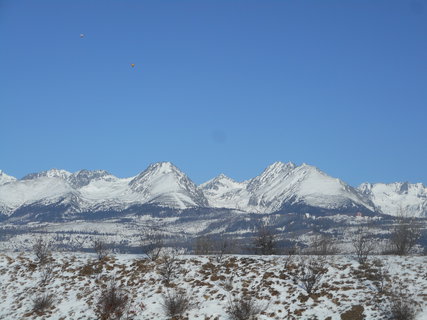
{"points": [[223, 177], [280, 165], [221, 181], [163, 182], [83, 177], [162, 167], [52, 173], [5, 178]]}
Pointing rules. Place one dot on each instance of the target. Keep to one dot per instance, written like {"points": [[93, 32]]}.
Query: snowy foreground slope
{"points": [[345, 290]]}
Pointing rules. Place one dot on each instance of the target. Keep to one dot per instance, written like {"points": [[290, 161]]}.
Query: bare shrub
{"points": [[68, 242], [203, 245], [169, 266], [405, 235], [176, 304], [218, 245], [265, 241], [223, 245], [323, 244], [227, 283], [100, 248], [152, 242], [381, 277], [402, 306], [290, 253], [378, 274], [112, 303], [363, 244], [46, 275], [42, 249], [243, 308], [42, 302], [309, 273]]}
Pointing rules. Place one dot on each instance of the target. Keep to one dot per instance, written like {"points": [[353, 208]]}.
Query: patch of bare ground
{"points": [[355, 313]]}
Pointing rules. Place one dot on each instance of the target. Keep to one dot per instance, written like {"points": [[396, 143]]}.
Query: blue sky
{"points": [[218, 86]]}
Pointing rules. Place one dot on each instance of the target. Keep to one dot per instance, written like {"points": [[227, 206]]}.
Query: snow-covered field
{"points": [[344, 289]]}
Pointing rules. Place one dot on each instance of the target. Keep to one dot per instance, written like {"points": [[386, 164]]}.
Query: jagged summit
{"points": [[52, 173], [275, 171], [163, 183], [83, 177], [5, 178], [220, 179], [398, 198], [162, 166]]}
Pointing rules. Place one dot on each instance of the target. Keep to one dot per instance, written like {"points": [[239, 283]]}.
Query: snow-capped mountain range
{"points": [[280, 187]]}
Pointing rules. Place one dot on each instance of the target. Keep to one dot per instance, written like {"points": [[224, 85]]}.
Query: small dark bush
{"points": [[363, 244], [100, 248], [176, 304], [243, 308], [46, 275], [152, 242], [405, 235], [42, 250], [112, 303], [309, 274], [265, 242], [42, 302], [402, 308], [169, 266]]}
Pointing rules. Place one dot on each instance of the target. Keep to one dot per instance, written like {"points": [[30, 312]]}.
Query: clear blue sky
{"points": [[218, 86]]}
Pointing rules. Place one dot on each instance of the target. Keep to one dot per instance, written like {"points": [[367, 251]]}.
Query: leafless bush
{"points": [[227, 283], [402, 306], [68, 242], [203, 245], [265, 241], [377, 273], [290, 253], [42, 249], [112, 303], [218, 245], [381, 277], [46, 275], [405, 235], [363, 244], [100, 248], [152, 242], [243, 308], [169, 266], [323, 244], [176, 304], [309, 273], [42, 302], [223, 245]]}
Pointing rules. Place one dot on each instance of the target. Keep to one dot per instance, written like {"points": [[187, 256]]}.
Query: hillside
{"points": [[273, 284]]}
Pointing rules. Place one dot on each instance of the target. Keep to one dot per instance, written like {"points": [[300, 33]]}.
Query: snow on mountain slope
{"points": [[24, 192], [281, 183], [4, 178], [84, 177], [163, 183], [281, 186], [52, 173], [224, 192], [399, 198]]}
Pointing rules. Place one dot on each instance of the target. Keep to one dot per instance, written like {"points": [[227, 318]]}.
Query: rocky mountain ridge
{"points": [[284, 187]]}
